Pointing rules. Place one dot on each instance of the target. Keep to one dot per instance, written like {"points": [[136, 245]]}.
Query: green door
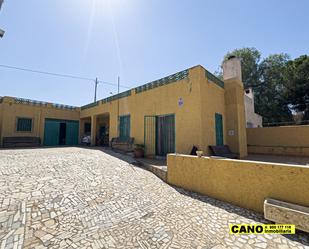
{"points": [[165, 135], [51, 132], [72, 130], [219, 129]]}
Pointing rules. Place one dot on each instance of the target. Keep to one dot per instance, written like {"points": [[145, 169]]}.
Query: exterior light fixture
{"points": [[1, 33]]}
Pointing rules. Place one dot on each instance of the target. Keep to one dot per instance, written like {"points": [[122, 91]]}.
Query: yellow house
{"points": [[21, 118], [172, 114]]}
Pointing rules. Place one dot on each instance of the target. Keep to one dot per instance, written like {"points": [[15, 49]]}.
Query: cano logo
{"points": [[262, 228]]}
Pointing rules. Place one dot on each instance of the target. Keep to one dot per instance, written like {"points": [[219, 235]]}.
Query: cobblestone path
{"points": [[84, 198]]}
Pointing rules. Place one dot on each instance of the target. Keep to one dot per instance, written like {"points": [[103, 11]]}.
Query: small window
{"points": [[124, 126], [87, 128], [24, 124]]}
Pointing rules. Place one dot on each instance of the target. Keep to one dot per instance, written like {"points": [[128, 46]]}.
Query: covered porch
{"points": [[97, 128]]}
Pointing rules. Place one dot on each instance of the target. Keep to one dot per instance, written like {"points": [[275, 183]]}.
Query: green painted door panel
{"points": [[72, 130], [51, 133], [165, 135], [219, 129]]}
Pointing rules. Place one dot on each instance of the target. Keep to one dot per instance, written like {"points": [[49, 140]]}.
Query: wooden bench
{"points": [[223, 151], [122, 143], [9, 142]]}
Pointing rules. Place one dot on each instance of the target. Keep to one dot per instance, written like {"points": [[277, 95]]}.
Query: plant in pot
{"points": [[199, 153], [139, 150]]}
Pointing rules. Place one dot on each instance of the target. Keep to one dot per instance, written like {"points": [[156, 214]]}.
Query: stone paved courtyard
{"points": [[85, 198]]}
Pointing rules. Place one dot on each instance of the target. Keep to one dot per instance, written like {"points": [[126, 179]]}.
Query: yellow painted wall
{"points": [[243, 183], [285, 140], [212, 102], [194, 120], [11, 111]]}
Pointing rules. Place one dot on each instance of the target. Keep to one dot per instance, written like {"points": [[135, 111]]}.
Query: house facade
{"points": [[172, 114], [28, 118]]}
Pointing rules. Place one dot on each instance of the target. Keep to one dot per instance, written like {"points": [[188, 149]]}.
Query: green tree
{"points": [[281, 85], [297, 85], [270, 93]]}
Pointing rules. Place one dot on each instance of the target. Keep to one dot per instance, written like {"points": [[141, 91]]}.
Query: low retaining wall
{"points": [[279, 150], [283, 140], [243, 183]]}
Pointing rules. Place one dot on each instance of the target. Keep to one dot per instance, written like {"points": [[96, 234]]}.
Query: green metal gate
{"points": [[159, 135], [219, 129], [52, 132]]}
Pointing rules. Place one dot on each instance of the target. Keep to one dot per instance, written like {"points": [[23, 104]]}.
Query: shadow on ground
{"points": [[300, 236]]}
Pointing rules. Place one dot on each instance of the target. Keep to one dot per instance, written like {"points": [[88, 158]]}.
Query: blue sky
{"points": [[139, 40]]}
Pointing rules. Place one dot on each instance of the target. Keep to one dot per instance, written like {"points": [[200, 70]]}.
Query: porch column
{"points": [[93, 130], [235, 107]]}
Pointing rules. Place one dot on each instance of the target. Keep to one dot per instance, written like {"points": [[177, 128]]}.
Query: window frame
{"points": [[87, 123], [21, 131]]}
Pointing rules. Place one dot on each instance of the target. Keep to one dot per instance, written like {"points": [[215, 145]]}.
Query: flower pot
{"points": [[199, 153]]}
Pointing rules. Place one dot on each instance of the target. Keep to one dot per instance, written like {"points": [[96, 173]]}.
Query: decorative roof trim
{"points": [[214, 79], [163, 81], [84, 107], [42, 103], [117, 96]]}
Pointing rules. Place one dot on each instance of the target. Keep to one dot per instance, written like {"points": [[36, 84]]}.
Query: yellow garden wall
{"points": [[243, 183], [12, 110], [285, 140]]}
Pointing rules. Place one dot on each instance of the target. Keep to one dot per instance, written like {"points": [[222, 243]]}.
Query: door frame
{"points": [[156, 132], [60, 121]]}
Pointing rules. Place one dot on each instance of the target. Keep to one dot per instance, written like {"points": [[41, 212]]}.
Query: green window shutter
{"points": [[24, 124], [124, 126]]}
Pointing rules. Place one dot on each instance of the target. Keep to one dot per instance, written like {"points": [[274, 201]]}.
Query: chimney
{"points": [[234, 106]]}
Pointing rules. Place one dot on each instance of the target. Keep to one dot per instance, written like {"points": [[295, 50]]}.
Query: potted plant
{"points": [[199, 153], [139, 150]]}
